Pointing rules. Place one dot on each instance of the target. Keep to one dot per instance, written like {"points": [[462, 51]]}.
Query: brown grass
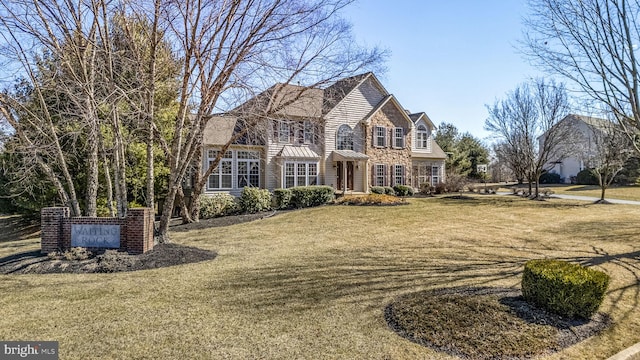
{"points": [[314, 283]]}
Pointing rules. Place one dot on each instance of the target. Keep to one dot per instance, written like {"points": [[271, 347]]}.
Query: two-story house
{"points": [[351, 135]]}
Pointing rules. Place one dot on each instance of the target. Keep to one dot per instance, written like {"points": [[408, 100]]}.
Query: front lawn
{"points": [[315, 283]]}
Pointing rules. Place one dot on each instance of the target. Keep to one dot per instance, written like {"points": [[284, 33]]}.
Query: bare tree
{"points": [[609, 151], [230, 46], [593, 44], [57, 48], [528, 124]]}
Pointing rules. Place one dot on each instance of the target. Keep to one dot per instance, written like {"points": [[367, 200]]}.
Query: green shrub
{"points": [[282, 198], [253, 200], [403, 190], [586, 177], [216, 205], [388, 190], [308, 196], [564, 288], [377, 190], [550, 178]]}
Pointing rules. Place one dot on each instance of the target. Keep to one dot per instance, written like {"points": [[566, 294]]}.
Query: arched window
{"points": [[344, 139], [422, 137]]}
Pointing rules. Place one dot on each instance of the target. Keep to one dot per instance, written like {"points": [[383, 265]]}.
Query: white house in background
{"points": [[351, 135], [579, 148]]}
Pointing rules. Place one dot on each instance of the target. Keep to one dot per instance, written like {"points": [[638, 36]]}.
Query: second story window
{"points": [[284, 130], [422, 137], [380, 136], [398, 138], [344, 140], [309, 132]]}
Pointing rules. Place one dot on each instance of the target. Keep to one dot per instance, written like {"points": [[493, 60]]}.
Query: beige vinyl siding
{"points": [[429, 148], [351, 110], [273, 166]]}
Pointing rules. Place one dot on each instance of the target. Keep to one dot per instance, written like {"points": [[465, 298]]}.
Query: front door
{"points": [[341, 175]]}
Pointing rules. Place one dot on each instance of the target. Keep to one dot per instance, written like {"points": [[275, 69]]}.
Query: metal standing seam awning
{"points": [[348, 155], [298, 152]]}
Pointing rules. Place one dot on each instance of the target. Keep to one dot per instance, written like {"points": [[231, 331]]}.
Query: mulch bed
{"points": [[108, 261], [486, 323]]}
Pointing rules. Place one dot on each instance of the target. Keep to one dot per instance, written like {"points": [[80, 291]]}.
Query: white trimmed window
{"points": [[284, 130], [300, 174], [398, 174], [422, 137], [435, 175], [344, 138], [248, 169], [380, 174], [222, 176], [309, 132], [398, 138], [380, 136]]}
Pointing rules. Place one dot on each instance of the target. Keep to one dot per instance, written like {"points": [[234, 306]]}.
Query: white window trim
{"points": [[283, 182], [379, 135], [423, 140], [338, 136], [435, 179], [284, 131], [400, 167], [249, 161], [397, 138], [216, 171], [309, 132], [383, 177]]}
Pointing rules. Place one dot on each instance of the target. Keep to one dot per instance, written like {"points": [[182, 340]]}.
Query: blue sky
{"points": [[448, 58]]}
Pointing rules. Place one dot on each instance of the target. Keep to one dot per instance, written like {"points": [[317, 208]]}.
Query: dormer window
{"points": [[344, 139], [422, 137]]}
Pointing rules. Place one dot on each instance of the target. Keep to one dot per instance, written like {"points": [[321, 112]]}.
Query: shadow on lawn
{"points": [[18, 228], [364, 277], [373, 276]]}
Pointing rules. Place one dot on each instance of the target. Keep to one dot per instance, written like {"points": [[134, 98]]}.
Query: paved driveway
{"points": [[593, 199]]}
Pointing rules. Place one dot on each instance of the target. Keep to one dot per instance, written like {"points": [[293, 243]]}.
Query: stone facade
{"points": [[389, 117], [136, 229]]}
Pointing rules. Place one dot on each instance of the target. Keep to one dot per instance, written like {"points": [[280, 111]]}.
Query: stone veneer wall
{"points": [[136, 229], [390, 117]]}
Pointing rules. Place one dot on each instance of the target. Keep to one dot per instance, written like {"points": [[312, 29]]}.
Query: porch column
{"points": [[365, 176], [344, 177]]}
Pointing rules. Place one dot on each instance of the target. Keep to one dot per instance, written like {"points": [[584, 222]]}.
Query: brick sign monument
{"points": [[133, 233]]}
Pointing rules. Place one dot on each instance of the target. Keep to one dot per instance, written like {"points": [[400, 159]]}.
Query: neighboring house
{"points": [[579, 148], [352, 135]]}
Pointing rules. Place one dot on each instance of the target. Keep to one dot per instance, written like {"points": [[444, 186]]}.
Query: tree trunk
{"points": [[92, 171], [107, 176]]}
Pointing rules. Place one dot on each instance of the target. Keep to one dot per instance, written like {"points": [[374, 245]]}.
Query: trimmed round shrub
{"points": [[403, 190], [586, 177], [377, 190], [564, 288], [282, 198], [217, 205], [388, 190], [308, 196], [253, 200]]}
